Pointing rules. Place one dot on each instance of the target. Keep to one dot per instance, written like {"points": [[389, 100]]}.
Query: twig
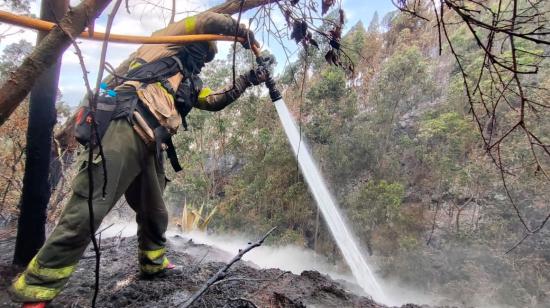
{"points": [[173, 12], [518, 243], [203, 257], [235, 42], [95, 138], [223, 271], [100, 231]]}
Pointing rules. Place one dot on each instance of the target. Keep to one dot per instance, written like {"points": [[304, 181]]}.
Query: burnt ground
{"points": [[245, 285]]}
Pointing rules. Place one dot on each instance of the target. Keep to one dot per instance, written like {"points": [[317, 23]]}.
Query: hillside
{"points": [[403, 157]]}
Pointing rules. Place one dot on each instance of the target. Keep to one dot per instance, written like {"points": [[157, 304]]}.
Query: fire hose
{"points": [[42, 25]]}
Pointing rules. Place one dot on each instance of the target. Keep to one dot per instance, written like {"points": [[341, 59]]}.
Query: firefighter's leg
{"points": [[50, 269], [145, 196]]}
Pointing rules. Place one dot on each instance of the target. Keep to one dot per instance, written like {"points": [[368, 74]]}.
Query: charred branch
{"points": [[223, 271]]}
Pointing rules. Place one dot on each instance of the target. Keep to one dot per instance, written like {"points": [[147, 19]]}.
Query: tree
{"points": [[511, 37], [31, 231], [374, 26], [375, 207], [18, 5], [12, 142], [45, 54]]}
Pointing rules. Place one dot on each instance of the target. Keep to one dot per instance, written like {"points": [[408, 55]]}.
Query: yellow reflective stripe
{"points": [[51, 273], [190, 24], [134, 64], [205, 92], [31, 292], [159, 84], [151, 269], [154, 254]]}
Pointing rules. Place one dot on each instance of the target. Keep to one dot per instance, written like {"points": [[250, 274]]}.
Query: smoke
{"points": [[287, 258], [297, 259]]}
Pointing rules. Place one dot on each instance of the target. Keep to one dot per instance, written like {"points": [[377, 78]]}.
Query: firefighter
{"points": [[154, 97]]}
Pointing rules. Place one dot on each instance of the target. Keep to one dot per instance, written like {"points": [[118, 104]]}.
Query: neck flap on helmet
{"points": [[195, 55]]}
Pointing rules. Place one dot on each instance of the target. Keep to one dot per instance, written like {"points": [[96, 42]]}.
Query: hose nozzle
{"points": [[274, 93], [267, 61]]}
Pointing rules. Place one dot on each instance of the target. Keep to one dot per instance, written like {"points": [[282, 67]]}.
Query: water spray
{"points": [[343, 236]]}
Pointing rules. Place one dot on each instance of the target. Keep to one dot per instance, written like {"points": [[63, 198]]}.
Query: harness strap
{"points": [[162, 136], [127, 103], [167, 86], [178, 61]]}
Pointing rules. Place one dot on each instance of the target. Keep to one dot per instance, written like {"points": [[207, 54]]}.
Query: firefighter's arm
{"points": [[208, 23], [215, 101]]}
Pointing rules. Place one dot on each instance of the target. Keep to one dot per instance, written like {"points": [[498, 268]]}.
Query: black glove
{"points": [[248, 35], [257, 76]]}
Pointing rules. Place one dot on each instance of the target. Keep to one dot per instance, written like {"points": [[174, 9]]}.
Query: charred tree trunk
{"points": [[42, 117]]}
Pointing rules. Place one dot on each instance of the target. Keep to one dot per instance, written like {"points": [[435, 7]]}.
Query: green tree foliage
{"points": [[355, 41], [376, 207], [374, 25], [403, 83], [402, 155], [13, 55], [21, 6]]}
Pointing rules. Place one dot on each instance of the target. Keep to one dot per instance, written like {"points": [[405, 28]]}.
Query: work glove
{"points": [[248, 35], [257, 75]]}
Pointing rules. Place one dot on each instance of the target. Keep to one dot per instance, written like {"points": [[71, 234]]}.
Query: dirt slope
{"points": [[245, 286]]}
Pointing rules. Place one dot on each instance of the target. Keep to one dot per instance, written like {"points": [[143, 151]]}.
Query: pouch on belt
{"points": [[106, 106]]}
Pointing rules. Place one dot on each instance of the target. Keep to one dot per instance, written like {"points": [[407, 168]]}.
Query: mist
{"points": [[290, 258]]}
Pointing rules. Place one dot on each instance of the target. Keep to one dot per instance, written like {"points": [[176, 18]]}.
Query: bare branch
{"points": [[223, 271], [20, 82]]}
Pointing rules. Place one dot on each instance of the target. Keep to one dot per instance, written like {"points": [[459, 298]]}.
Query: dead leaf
{"points": [[342, 17], [314, 43], [334, 43], [299, 31], [325, 5], [332, 58], [287, 14]]}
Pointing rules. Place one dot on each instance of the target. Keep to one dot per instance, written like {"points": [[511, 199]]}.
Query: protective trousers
{"points": [[132, 170]]}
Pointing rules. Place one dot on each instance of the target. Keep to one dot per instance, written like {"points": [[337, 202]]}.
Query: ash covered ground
{"points": [[246, 285]]}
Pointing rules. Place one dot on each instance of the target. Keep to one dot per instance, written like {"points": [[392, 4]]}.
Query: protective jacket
{"points": [[167, 99]]}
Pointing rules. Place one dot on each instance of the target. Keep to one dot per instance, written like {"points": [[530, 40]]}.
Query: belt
{"points": [[127, 103]]}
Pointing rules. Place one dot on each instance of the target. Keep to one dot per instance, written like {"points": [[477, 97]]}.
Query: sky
{"points": [[144, 19]]}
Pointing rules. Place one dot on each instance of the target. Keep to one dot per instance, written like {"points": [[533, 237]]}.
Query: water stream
{"points": [[343, 236]]}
